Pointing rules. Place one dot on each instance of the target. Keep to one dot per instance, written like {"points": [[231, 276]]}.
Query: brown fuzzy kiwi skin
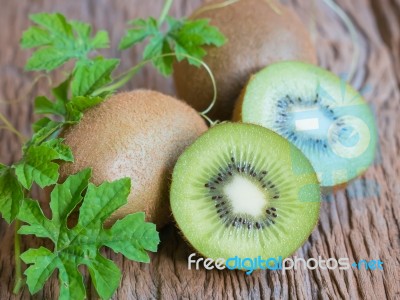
{"points": [[138, 134], [259, 33]]}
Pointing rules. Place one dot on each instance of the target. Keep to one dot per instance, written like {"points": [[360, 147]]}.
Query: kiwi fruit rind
{"points": [[243, 190], [317, 111], [259, 32], [140, 135]]}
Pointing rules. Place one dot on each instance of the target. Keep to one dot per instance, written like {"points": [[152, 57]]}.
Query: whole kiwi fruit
{"points": [[138, 134], [259, 32]]}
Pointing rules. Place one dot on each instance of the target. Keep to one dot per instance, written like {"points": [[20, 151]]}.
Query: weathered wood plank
{"points": [[359, 222]]}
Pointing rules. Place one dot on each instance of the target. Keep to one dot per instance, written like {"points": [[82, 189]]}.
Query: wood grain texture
{"points": [[359, 222]]}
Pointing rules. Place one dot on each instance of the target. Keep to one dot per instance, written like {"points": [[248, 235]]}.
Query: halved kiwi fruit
{"points": [[318, 112], [243, 190]]}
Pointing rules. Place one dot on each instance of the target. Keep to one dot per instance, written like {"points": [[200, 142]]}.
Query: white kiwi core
{"points": [[245, 196]]}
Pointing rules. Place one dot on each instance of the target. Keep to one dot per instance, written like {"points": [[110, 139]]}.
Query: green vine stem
{"points": [[122, 79], [19, 279], [226, 3], [353, 33], [10, 127], [164, 13], [214, 6]]}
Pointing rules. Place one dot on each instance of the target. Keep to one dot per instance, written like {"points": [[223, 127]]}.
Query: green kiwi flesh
{"points": [[317, 111], [259, 32], [242, 190], [140, 135]]}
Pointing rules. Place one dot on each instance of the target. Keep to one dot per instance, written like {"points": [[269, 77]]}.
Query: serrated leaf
{"points": [[80, 245], [129, 245], [132, 37], [53, 22], [40, 226], [184, 38], [89, 77], [153, 48], [164, 64], [78, 105], [47, 59], [11, 194], [61, 91], [142, 28], [48, 129], [64, 152], [105, 276], [38, 166], [45, 261], [40, 124], [45, 106], [59, 40], [190, 38], [35, 37], [65, 197], [100, 40]]}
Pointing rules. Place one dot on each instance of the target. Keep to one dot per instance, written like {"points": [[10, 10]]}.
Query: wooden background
{"points": [[359, 222]]}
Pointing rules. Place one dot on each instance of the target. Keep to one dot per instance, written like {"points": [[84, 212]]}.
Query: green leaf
{"points": [[47, 59], [40, 226], [44, 129], [65, 197], [141, 30], [59, 40], [61, 91], [64, 152], [45, 261], [11, 194], [80, 245], [55, 23], [44, 106], [100, 40], [35, 37], [78, 105], [38, 166], [89, 77], [40, 124], [129, 245], [184, 38], [191, 36]]}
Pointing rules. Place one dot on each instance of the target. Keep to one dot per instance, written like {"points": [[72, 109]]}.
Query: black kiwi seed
{"points": [[223, 208]]}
